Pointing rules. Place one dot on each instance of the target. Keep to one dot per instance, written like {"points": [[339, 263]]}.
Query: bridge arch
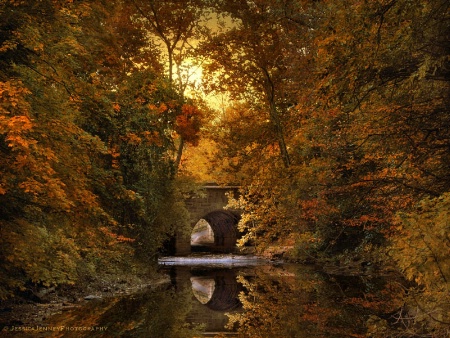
{"points": [[209, 207], [221, 231]]}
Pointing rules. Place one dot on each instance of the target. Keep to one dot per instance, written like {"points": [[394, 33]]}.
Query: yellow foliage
{"points": [[421, 249], [422, 246]]}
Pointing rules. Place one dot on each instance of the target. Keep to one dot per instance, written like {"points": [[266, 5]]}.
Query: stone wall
{"points": [[215, 198]]}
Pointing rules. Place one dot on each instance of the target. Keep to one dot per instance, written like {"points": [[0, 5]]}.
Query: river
{"points": [[235, 298]]}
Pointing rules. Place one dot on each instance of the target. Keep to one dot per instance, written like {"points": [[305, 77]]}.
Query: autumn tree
{"points": [[254, 59], [361, 91], [71, 120], [378, 115], [377, 122], [262, 61], [176, 27], [44, 189], [147, 109], [421, 249]]}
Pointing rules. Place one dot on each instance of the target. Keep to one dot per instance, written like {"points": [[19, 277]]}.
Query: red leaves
{"points": [[114, 238], [188, 123]]}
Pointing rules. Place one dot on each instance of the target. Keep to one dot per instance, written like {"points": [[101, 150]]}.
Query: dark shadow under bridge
{"points": [[214, 229]]}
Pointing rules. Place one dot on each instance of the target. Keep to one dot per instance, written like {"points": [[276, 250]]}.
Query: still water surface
{"points": [[257, 300]]}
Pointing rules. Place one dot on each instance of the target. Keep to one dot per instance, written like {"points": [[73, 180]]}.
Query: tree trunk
{"points": [[275, 118], [179, 154], [280, 134]]}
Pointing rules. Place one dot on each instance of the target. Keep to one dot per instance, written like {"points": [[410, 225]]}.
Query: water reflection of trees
{"points": [[286, 301], [289, 303], [156, 313]]}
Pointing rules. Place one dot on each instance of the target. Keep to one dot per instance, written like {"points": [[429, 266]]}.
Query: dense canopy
{"points": [[335, 122]]}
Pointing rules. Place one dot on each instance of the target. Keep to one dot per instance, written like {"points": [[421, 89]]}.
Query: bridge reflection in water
{"points": [[219, 292], [215, 293], [204, 301]]}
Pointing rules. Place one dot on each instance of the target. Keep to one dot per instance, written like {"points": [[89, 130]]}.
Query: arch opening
{"points": [[202, 234], [216, 232]]}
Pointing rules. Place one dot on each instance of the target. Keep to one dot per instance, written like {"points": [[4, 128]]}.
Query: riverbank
{"points": [[34, 306]]}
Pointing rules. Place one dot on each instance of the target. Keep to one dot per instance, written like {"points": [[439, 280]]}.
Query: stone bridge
{"points": [[219, 232]]}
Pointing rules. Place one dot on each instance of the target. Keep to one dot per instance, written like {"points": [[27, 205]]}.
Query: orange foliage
{"points": [[115, 238], [132, 138], [188, 123]]}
